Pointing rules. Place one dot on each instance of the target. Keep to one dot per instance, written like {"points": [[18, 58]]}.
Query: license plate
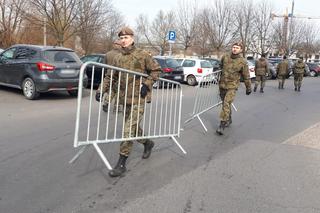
{"points": [[177, 77], [66, 71]]}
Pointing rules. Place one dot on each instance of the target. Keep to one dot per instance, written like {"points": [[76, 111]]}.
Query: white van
{"points": [[194, 69]]}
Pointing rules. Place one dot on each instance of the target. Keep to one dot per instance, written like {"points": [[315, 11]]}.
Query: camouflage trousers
{"points": [[281, 79], [133, 117], [260, 79], [298, 79], [227, 96]]}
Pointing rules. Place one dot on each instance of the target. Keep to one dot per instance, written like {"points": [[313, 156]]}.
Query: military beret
{"points": [[125, 31], [238, 44]]}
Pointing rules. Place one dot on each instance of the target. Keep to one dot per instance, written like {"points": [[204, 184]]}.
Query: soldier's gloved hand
{"points": [[248, 91], [98, 96], [144, 90]]}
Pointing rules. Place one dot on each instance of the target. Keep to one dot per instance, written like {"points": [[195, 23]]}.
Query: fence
{"points": [[128, 116], [206, 97]]}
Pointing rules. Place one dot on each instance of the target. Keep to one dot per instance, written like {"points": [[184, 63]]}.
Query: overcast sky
{"points": [[131, 9]]}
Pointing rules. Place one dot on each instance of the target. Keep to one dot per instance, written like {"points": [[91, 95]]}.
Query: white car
{"points": [[1, 50], [194, 69]]}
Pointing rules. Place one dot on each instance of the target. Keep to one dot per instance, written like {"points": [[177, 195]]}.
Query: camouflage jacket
{"points": [[109, 57], [133, 59], [283, 68], [233, 67], [299, 67], [261, 66]]}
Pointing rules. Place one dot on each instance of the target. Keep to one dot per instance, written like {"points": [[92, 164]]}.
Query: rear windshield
{"points": [[61, 56], [172, 63], [206, 64], [94, 58]]}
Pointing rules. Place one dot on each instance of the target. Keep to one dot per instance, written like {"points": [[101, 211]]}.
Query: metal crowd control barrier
{"points": [[206, 97], [161, 117]]}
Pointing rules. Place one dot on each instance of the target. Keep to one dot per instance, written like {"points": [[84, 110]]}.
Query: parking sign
{"points": [[172, 36]]}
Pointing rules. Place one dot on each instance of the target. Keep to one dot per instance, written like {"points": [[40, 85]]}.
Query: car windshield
{"points": [[206, 64], [61, 56]]}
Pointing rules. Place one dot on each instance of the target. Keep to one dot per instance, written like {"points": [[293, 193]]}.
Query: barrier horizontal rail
{"points": [[128, 116]]}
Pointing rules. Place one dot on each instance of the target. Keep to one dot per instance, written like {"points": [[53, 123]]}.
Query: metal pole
{"points": [[170, 46], [290, 29], [44, 32]]}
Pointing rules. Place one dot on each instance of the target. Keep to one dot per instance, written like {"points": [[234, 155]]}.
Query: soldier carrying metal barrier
{"points": [[132, 92], [233, 66]]}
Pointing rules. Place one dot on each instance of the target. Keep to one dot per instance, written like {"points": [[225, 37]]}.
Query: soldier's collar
{"points": [[234, 56], [128, 50]]}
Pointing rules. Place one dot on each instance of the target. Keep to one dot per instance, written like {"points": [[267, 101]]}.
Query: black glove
{"points": [[98, 96], [248, 91], [144, 90]]}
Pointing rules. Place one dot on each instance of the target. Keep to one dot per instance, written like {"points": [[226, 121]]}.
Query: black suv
{"points": [[36, 69], [171, 69], [99, 58]]}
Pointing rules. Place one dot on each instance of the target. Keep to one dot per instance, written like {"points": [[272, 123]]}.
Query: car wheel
{"points": [[73, 93], [29, 89], [191, 80], [312, 73]]}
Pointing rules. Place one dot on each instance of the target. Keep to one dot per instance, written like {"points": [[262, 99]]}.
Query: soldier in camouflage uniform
{"points": [[133, 94], [108, 59], [282, 71], [298, 72], [261, 69], [233, 67]]}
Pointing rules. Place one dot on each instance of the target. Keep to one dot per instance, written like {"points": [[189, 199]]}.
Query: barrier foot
{"points": [[234, 107], [190, 119], [177, 143], [202, 123], [78, 154], [103, 158]]}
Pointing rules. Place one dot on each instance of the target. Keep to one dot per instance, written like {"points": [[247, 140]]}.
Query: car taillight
{"points": [[45, 67], [199, 70], [167, 69]]}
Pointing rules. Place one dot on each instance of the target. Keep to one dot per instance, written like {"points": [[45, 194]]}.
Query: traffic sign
{"points": [[172, 36]]}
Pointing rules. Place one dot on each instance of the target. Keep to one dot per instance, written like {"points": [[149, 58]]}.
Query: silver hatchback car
{"points": [[38, 69]]}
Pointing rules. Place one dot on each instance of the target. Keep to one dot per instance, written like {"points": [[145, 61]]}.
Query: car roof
{"points": [[41, 47]]}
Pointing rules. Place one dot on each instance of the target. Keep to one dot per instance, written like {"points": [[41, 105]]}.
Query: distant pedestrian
{"points": [[233, 67], [298, 72], [282, 71], [261, 69]]}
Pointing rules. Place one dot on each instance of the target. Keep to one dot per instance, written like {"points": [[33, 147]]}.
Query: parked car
{"points": [[276, 61], [216, 63], [171, 69], [195, 69], [251, 67], [38, 69], [314, 69], [1, 50], [99, 58]]}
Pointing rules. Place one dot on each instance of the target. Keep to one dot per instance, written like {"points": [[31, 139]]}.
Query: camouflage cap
{"points": [[125, 31]]}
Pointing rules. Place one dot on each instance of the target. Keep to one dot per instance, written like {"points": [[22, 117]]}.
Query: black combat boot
{"points": [[295, 89], [279, 87], [298, 89], [261, 90], [255, 89], [148, 145], [120, 167], [220, 129]]}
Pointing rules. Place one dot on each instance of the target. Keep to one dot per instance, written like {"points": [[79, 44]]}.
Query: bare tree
{"points": [[243, 13], [91, 16], [187, 23], [11, 12], [219, 22], [262, 36], [60, 17]]}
